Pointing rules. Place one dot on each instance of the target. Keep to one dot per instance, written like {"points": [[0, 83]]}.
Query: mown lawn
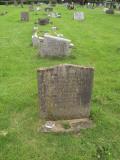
{"points": [[97, 44]]}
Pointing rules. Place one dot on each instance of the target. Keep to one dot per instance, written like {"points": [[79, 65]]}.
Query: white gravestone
{"points": [[79, 16]]}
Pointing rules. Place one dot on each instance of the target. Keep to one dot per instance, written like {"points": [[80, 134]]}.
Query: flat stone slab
{"points": [[65, 126]]}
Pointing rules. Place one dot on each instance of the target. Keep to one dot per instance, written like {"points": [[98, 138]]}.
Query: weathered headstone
{"points": [[43, 21], [36, 40], [24, 16], [65, 91], [54, 15], [70, 6], [55, 46], [15, 3], [31, 8], [79, 16], [48, 9], [109, 11], [6, 3]]}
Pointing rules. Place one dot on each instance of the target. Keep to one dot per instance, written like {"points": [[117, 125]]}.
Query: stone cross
{"points": [[65, 91], [24, 16]]}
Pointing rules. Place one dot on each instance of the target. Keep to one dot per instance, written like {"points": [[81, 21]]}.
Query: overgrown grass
{"points": [[97, 44]]}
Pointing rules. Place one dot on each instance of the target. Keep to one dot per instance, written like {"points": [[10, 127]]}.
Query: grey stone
{"points": [[79, 16], [43, 21], [54, 15], [48, 9], [31, 8], [110, 11], [55, 46], [36, 40], [24, 16], [65, 91]]}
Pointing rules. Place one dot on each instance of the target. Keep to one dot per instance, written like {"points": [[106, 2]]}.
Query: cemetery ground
{"points": [[97, 44]]}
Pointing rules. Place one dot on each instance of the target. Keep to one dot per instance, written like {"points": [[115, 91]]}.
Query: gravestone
{"points": [[48, 9], [54, 15], [15, 3], [31, 8], [6, 3], [70, 6], [65, 92], [24, 16], [109, 11], [79, 16], [55, 46], [36, 40], [43, 21]]}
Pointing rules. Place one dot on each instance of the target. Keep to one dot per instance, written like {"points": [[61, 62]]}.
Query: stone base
{"points": [[63, 126]]}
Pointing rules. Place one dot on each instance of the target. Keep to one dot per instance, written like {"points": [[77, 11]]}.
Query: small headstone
{"points": [[65, 91], [15, 3], [70, 6], [31, 8], [43, 21], [54, 28], [37, 9], [55, 46], [54, 15], [48, 9], [24, 16], [36, 40], [109, 11], [79, 16]]}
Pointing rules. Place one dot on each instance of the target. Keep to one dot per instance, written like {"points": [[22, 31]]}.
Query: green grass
{"points": [[97, 44]]}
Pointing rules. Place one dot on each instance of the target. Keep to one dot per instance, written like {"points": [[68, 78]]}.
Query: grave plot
{"points": [[65, 94]]}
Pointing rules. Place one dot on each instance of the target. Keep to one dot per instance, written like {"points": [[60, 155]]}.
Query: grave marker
{"points": [[65, 91]]}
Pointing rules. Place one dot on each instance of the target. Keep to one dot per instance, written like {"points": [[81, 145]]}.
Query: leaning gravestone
{"points": [[55, 46], [24, 16], [65, 92], [79, 16]]}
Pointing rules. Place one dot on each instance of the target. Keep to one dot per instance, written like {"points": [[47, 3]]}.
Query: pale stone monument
{"points": [[36, 40], [48, 9], [55, 46], [24, 16], [79, 16], [65, 91]]}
